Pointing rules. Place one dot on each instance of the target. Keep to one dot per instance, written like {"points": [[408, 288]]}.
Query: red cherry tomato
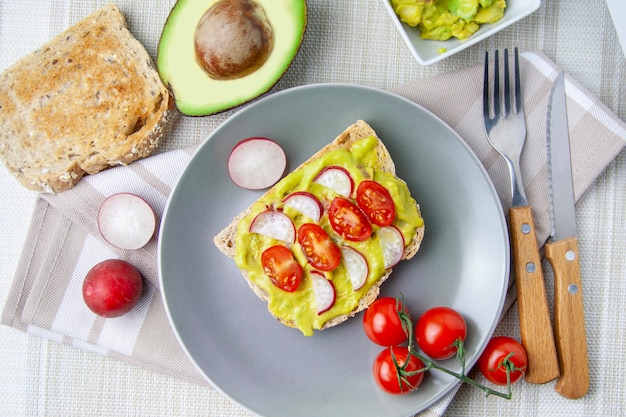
{"points": [[385, 370], [376, 203], [321, 252], [348, 220], [493, 361], [282, 268], [382, 323], [437, 330]]}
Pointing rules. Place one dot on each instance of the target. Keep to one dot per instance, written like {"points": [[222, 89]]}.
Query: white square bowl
{"points": [[428, 51]]}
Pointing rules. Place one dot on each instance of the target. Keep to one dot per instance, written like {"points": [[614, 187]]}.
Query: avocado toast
{"points": [[385, 240]]}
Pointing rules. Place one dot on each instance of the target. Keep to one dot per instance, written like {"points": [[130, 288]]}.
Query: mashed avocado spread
{"points": [[298, 308], [441, 20]]}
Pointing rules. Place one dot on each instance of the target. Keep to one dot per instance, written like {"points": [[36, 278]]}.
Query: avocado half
{"points": [[195, 92]]}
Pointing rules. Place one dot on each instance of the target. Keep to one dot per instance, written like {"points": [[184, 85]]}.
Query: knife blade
{"points": [[562, 252]]}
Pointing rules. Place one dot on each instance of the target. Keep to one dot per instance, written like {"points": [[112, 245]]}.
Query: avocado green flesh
{"points": [[465, 9], [197, 94], [443, 19], [361, 160]]}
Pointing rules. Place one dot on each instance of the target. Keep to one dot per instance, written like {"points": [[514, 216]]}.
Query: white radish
{"points": [[256, 163], [324, 291], [337, 179], [356, 266], [126, 221], [305, 203], [392, 244], [274, 224]]}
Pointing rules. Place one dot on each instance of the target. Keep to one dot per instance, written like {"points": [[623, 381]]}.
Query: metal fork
{"points": [[506, 132]]}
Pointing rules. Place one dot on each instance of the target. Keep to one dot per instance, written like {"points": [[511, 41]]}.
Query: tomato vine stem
{"points": [[407, 325]]}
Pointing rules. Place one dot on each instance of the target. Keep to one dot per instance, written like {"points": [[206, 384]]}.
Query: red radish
{"points": [[274, 224], [392, 243], [356, 266], [112, 288], [126, 221], [337, 179], [305, 203], [256, 163], [324, 291]]}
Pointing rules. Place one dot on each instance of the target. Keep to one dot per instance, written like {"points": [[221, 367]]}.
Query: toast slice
{"points": [[226, 239], [87, 100]]}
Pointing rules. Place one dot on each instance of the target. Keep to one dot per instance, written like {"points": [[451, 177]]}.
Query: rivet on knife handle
{"points": [[568, 312], [534, 314]]}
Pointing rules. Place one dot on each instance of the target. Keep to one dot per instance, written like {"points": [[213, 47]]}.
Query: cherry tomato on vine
{"points": [[493, 362], [382, 323], [438, 332], [391, 362]]}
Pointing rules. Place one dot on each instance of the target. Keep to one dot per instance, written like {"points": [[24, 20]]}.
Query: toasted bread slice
{"points": [[225, 240], [87, 100]]}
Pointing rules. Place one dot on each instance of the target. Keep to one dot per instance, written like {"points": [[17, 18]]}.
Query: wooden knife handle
{"points": [[534, 313], [569, 318]]}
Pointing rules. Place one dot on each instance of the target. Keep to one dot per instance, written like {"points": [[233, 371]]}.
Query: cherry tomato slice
{"points": [[321, 252], [282, 268], [376, 203], [348, 220], [437, 330], [385, 371], [382, 323], [491, 360]]}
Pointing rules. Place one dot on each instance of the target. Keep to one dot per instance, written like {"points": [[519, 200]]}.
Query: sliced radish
{"points": [[126, 221], [356, 266], [324, 291], [305, 203], [337, 179], [274, 224], [256, 163], [392, 243]]}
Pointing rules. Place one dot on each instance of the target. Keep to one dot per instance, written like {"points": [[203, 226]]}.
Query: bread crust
{"points": [[89, 99], [226, 238]]}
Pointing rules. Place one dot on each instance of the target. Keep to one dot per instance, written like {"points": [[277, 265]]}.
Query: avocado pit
{"points": [[196, 92], [233, 38]]}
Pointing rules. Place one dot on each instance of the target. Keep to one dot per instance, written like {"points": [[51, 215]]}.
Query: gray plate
{"points": [[273, 370]]}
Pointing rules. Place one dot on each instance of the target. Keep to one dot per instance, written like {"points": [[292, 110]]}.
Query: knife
{"points": [[562, 252]]}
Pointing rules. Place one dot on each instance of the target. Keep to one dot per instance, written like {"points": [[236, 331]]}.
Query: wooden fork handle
{"points": [[569, 318], [534, 313]]}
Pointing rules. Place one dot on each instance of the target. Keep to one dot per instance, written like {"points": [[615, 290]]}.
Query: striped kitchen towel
{"points": [[64, 243]]}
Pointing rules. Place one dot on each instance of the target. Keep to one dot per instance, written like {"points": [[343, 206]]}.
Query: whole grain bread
{"points": [[87, 100], [225, 240]]}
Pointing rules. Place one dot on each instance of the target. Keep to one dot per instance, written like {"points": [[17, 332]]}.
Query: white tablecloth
{"points": [[351, 41]]}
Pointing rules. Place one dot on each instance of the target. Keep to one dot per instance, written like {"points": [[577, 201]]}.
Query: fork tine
{"points": [[496, 85], [507, 97], [486, 111], [518, 89], [507, 86]]}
